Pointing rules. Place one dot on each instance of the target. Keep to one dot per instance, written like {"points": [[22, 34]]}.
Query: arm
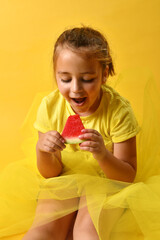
{"points": [[48, 149], [121, 165]]}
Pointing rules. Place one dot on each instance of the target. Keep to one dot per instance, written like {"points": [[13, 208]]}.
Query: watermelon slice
{"points": [[72, 130]]}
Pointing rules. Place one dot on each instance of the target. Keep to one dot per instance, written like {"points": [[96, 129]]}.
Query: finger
{"points": [[90, 131], [89, 149], [58, 141], [52, 147], [57, 135], [56, 144], [48, 149], [89, 136], [89, 144]]}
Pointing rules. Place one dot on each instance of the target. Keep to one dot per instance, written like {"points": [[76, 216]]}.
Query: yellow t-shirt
{"points": [[114, 120]]}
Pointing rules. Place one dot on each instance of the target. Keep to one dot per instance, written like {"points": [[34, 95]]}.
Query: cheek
{"points": [[93, 90], [64, 89]]}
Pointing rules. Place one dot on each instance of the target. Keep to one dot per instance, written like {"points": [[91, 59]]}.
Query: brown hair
{"points": [[89, 40]]}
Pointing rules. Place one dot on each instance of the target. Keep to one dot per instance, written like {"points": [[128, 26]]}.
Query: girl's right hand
{"points": [[50, 142]]}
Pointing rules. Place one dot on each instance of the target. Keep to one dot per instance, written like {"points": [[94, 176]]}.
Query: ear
{"points": [[105, 75]]}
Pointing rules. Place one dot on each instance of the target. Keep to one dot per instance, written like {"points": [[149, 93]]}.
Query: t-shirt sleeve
{"points": [[42, 122], [123, 122]]}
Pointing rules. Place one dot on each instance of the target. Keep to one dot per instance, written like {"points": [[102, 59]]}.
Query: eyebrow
{"points": [[60, 72]]}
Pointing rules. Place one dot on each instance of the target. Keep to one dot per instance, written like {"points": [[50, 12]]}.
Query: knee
{"points": [[84, 226], [84, 223], [42, 232]]}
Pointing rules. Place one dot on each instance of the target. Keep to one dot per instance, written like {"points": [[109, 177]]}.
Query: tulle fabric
{"points": [[131, 210]]}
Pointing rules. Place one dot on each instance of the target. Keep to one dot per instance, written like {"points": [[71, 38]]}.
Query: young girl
{"points": [[72, 202]]}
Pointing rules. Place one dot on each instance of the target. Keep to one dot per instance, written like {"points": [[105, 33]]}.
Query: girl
{"points": [[77, 176]]}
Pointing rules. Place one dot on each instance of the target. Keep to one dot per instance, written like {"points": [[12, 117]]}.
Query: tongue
{"points": [[79, 100]]}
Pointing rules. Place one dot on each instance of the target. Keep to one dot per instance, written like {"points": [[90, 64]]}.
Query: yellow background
{"points": [[28, 30]]}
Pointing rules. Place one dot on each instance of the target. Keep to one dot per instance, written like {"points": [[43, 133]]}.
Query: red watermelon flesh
{"points": [[72, 130]]}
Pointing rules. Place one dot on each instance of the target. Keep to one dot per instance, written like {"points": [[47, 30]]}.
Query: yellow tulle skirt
{"points": [[135, 206]]}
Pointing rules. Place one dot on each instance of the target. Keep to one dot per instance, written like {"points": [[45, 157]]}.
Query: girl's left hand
{"points": [[93, 143]]}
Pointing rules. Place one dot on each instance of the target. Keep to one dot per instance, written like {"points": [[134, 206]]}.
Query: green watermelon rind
{"points": [[73, 140]]}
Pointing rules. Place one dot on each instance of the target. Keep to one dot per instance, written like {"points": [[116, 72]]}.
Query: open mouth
{"points": [[79, 101]]}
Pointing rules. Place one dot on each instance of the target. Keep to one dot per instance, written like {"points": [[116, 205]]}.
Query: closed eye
{"points": [[66, 80], [83, 80], [87, 81]]}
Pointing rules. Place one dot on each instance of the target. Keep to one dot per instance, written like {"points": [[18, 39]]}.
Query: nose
{"points": [[76, 86]]}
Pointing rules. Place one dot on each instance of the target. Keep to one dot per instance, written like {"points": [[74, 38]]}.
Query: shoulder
{"points": [[114, 99], [51, 97], [121, 119], [53, 100], [52, 104], [51, 109]]}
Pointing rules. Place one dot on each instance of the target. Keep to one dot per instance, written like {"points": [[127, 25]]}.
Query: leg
{"points": [[84, 228], [57, 230], [44, 229], [107, 221], [70, 232]]}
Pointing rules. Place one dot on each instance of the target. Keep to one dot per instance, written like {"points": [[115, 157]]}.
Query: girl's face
{"points": [[79, 80]]}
